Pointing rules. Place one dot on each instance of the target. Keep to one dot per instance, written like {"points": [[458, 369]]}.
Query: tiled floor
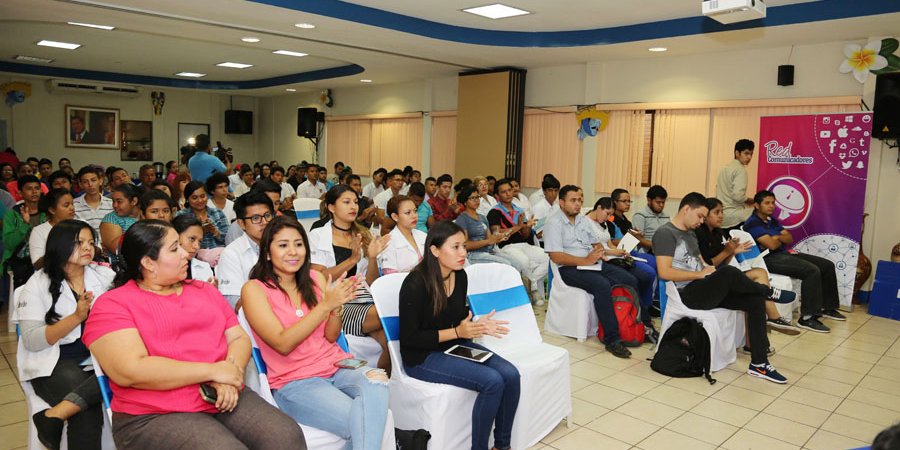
{"points": [[844, 387]]}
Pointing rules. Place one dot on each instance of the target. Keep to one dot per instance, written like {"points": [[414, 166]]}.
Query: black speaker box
{"points": [[786, 75], [306, 122], [238, 122], [886, 123]]}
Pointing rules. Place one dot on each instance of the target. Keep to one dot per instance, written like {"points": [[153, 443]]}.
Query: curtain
{"points": [[350, 141], [550, 145], [443, 145], [620, 151], [397, 143], [681, 148]]}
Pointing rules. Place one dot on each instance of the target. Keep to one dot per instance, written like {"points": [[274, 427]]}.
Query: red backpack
{"points": [[628, 314]]}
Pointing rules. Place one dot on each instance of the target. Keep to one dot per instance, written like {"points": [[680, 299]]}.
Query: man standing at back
{"points": [[202, 164], [731, 186]]}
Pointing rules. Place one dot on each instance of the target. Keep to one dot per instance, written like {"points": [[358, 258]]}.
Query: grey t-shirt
{"points": [[475, 229], [681, 246]]}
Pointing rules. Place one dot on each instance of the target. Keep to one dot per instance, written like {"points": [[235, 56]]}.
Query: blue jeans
{"points": [[348, 404], [646, 277], [599, 284], [497, 384]]}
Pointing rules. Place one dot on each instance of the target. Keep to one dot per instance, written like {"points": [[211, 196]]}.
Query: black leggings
{"points": [[69, 381], [729, 288]]}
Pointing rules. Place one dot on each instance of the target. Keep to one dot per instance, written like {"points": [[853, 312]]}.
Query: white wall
{"points": [[37, 126], [278, 129]]}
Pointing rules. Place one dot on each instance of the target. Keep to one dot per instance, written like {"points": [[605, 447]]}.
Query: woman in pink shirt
{"points": [[160, 337], [295, 315]]}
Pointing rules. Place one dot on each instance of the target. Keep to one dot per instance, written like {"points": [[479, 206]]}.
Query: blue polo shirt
{"points": [[424, 212], [759, 228]]}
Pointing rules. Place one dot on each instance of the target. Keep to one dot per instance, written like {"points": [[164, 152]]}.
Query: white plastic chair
{"points": [[256, 378], [307, 211], [570, 311], [11, 308], [725, 327], [546, 395], [444, 410]]}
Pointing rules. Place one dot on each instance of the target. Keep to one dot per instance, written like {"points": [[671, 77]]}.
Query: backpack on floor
{"points": [[683, 351], [628, 313], [411, 439]]}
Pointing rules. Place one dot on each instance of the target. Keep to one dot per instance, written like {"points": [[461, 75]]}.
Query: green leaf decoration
{"points": [[889, 46], [893, 65]]}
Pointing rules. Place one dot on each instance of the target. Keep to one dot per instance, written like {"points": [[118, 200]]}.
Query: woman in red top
{"points": [[159, 337]]}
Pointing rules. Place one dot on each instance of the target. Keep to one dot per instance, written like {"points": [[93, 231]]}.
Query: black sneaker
{"points": [[650, 334], [49, 429], [618, 350], [769, 351], [833, 314], [782, 325], [766, 372], [813, 324], [781, 296]]}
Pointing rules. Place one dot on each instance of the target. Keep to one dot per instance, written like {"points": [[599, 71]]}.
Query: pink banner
{"points": [[816, 165]]}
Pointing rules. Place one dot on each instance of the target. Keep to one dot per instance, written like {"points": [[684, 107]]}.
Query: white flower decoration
{"points": [[862, 60]]}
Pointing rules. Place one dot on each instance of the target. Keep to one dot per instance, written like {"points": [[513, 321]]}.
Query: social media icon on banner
{"points": [[847, 164], [844, 146], [825, 134], [842, 132], [848, 119], [860, 165], [867, 118], [854, 152], [856, 128], [826, 120], [837, 122], [842, 155]]}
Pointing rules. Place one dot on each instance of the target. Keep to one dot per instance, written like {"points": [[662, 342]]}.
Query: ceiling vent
{"points": [[732, 11], [84, 87]]}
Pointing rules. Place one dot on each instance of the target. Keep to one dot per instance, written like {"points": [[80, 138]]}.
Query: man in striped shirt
{"points": [[92, 205]]}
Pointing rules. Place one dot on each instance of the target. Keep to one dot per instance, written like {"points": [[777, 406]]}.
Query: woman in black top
{"points": [[434, 316]]}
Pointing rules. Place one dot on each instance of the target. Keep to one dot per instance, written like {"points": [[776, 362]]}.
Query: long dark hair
{"points": [[130, 192], [144, 238], [50, 199], [61, 242], [430, 268], [331, 198], [264, 271]]}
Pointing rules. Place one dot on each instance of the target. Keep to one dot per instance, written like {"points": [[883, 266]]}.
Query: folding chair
{"points": [[307, 211]]}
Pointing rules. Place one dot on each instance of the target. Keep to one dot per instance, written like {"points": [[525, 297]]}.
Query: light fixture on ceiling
{"points": [[190, 74], [496, 11], [305, 25], [250, 39], [234, 65], [91, 25], [288, 53], [657, 49], [55, 44], [365, 80], [291, 90], [33, 59]]}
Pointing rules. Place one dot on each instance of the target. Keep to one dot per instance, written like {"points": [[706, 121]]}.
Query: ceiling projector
{"points": [[731, 11]]}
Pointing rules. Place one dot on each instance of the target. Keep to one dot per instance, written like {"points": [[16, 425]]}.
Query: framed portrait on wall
{"points": [[137, 140], [188, 131], [90, 127]]}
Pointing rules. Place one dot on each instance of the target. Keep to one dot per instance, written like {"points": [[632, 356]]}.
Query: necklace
{"points": [[345, 230]]}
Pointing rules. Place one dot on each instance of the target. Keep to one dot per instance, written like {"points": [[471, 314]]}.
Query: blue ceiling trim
{"points": [[322, 74], [782, 15]]}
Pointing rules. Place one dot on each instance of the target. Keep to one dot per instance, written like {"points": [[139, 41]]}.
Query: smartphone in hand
{"points": [[208, 393]]}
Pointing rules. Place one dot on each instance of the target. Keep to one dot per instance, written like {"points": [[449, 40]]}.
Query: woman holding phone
{"points": [[159, 337], [295, 314], [434, 317]]}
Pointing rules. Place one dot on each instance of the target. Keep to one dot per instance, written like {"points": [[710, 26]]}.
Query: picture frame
{"points": [[187, 132], [137, 140], [90, 127]]}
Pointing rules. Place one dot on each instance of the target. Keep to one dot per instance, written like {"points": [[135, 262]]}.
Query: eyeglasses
{"points": [[257, 219]]}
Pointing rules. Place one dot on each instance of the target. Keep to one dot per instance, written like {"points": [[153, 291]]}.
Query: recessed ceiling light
{"points": [[288, 53], [496, 11], [65, 45], [250, 39], [33, 59], [190, 74], [234, 65], [305, 25], [657, 49], [291, 90], [365, 80], [90, 25]]}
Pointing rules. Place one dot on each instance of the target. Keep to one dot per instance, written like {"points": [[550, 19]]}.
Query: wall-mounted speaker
{"points": [[886, 122], [307, 123], [786, 75]]}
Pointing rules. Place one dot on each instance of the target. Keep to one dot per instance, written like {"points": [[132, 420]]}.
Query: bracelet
{"points": [[455, 331], [339, 313]]}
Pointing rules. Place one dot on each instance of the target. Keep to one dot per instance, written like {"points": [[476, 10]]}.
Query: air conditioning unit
{"points": [[86, 87], [731, 11]]}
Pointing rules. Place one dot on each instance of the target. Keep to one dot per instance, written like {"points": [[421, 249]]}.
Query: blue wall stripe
{"points": [[782, 15], [391, 327], [114, 77], [258, 360], [309, 214], [498, 300]]}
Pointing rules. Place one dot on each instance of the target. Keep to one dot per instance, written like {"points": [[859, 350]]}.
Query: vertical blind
{"points": [[367, 144], [443, 145], [550, 145], [620, 149]]}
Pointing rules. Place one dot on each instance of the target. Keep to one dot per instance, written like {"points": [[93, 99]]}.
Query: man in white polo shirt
{"points": [[254, 211], [312, 187]]}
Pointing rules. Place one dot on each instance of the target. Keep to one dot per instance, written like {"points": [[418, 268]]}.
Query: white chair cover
{"points": [[546, 395], [779, 281], [570, 311], [724, 326], [444, 410], [256, 379], [365, 348], [307, 211]]}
